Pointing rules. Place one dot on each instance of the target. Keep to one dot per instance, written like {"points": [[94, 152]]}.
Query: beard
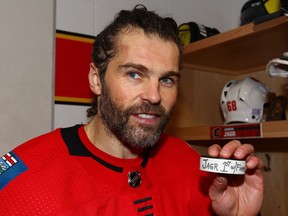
{"points": [[137, 135]]}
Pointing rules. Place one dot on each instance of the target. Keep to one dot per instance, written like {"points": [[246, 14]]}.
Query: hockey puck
{"points": [[222, 165]]}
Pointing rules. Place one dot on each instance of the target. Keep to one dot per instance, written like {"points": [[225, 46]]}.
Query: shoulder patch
{"points": [[10, 167]]}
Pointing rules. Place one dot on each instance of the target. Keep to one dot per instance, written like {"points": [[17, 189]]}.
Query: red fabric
{"points": [[57, 183], [70, 78]]}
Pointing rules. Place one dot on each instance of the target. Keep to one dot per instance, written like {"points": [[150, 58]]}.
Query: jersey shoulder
{"points": [[29, 156]]}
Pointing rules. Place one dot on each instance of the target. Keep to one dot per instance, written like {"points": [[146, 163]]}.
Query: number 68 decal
{"points": [[231, 105]]}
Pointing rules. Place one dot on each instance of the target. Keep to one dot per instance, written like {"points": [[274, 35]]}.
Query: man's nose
{"points": [[151, 92]]}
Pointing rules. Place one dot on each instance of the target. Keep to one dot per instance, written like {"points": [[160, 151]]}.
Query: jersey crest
{"points": [[10, 167]]}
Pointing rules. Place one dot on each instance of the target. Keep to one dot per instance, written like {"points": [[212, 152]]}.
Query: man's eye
{"points": [[134, 75], [167, 81]]}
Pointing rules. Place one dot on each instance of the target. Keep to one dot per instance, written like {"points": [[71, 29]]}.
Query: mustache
{"points": [[147, 108]]}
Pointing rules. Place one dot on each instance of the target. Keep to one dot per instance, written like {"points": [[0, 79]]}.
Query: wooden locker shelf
{"points": [[242, 50]]}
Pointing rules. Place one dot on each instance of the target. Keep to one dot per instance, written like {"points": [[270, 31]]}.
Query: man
{"points": [[121, 163]]}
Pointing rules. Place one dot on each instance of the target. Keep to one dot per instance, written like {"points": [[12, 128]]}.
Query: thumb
{"points": [[217, 188], [222, 202]]}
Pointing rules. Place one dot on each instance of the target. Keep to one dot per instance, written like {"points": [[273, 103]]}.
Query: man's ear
{"points": [[94, 79]]}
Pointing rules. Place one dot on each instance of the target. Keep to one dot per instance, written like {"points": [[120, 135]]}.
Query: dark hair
{"points": [[105, 45]]}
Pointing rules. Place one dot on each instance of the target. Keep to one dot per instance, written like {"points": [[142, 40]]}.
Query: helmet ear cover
{"points": [[243, 100]]}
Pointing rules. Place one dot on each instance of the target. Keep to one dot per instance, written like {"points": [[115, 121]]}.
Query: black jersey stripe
{"points": [[77, 148], [142, 200]]}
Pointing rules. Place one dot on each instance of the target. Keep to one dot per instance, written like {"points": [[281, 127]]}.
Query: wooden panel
{"points": [[275, 129], [275, 183]]}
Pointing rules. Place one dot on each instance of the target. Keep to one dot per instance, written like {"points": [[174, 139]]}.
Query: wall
{"points": [[90, 16], [26, 70]]}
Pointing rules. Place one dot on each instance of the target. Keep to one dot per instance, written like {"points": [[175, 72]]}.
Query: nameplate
{"points": [[233, 131]]}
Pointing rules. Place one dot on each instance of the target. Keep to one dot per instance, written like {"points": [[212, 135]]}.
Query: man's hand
{"points": [[237, 195]]}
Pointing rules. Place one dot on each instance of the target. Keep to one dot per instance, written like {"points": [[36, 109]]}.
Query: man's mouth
{"points": [[146, 116]]}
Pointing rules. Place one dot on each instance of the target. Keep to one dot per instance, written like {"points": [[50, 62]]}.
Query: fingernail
{"points": [[212, 152], [224, 151], [238, 152]]}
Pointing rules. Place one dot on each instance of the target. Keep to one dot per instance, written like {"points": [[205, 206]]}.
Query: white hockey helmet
{"points": [[243, 100]]}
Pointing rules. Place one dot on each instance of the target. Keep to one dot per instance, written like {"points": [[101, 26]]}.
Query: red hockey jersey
{"points": [[62, 173]]}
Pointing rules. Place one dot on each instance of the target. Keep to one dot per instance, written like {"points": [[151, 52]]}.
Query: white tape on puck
{"points": [[222, 165]]}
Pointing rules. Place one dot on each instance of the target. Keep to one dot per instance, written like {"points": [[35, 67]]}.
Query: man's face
{"points": [[140, 89]]}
